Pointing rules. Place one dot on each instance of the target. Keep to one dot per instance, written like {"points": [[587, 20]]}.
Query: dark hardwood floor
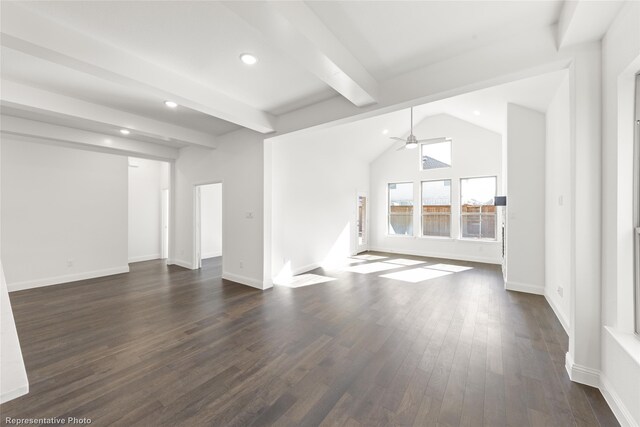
{"points": [[169, 346]]}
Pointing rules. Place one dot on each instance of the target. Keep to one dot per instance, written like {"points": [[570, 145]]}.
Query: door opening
{"points": [[208, 225], [362, 223], [165, 223]]}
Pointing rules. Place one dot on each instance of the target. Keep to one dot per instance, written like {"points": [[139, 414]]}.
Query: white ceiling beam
{"points": [[584, 21], [529, 54], [301, 35], [32, 99], [20, 128], [38, 36]]}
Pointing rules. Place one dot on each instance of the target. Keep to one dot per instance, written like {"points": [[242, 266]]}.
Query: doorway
{"points": [[165, 223], [208, 221], [362, 223]]}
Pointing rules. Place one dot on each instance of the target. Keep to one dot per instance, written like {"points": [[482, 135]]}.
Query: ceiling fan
{"points": [[412, 142]]}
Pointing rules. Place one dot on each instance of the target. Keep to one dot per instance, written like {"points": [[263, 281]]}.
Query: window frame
{"points": [[450, 142], [495, 214], [450, 236], [636, 209], [413, 205]]}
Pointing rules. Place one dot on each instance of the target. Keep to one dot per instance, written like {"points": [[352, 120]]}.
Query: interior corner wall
{"points": [[146, 179], [315, 184], [620, 363], [238, 164], [12, 371], [64, 214], [475, 152], [525, 225], [558, 200], [211, 220]]}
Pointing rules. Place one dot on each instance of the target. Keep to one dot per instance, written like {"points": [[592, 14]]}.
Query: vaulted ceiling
{"points": [[97, 67]]}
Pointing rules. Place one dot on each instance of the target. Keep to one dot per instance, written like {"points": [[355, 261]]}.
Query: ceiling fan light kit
{"points": [[412, 142]]}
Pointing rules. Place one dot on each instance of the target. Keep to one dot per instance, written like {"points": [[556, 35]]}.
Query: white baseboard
{"points": [[144, 258], [305, 268], [180, 263], [523, 287], [559, 315], [457, 257], [211, 254], [29, 284], [581, 374], [594, 378], [243, 280], [12, 394], [615, 403]]}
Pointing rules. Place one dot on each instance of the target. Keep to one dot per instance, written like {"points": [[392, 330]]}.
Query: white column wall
{"points": [[525, 225]]}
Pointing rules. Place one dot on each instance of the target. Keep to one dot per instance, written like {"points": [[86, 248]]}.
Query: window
{"points": [[636, 207], [436, 208], [477, 212], [401, 208], [435, 155]]}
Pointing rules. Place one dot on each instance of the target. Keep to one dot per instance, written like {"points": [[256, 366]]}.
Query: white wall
{"points": [[620, 368], [475, 152], [211, 220], [147, 178], [315, 183], [238, 164], [13, 376], [525, 226], [64, 214], [557, 247]]}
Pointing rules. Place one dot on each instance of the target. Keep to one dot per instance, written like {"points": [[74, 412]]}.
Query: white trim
{"points": [[212, 254], [180, 263], [628, 341], [440, 255], [12, 394], [615, 403], [523, 287], [306, 268], [581, 374], [558, 313], [144, 258], [248, 281], [29, 284]]}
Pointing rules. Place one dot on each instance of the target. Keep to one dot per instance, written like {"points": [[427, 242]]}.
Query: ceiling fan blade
{"points": [[397, 139], [432, 140], [403, 147]]}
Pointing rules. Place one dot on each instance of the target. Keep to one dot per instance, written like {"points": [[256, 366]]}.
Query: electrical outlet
{"points": [[70, 262], [241, 265], [560, 290]]}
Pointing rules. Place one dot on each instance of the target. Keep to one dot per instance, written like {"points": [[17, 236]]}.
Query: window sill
{"points": [[411, 236], [436, 238], [628, 341], [464, 239]]}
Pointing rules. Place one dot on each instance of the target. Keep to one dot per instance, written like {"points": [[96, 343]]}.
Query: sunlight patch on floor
{"points": [[416, 275], [369, 257], [449, 267], [304, 280], [373, 267], [404, 261]]}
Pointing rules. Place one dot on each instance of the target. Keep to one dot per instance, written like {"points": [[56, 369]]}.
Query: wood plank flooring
{"points": [[169, 346]]}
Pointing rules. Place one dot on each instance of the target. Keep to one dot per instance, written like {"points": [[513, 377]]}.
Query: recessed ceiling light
{"points": [[386, 131], [125, 131], [170, 104], [248, 58], [476, 112]]}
